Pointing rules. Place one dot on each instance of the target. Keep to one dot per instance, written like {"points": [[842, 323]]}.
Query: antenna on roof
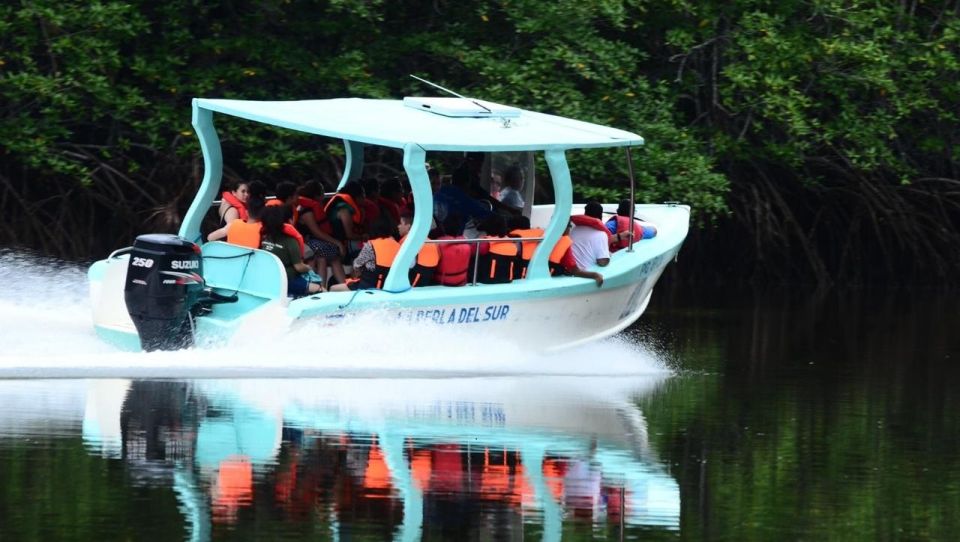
{"points": [[448, 91]]}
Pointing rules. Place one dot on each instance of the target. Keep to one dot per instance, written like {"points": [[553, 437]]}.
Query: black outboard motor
{"points": [[164, 283]]}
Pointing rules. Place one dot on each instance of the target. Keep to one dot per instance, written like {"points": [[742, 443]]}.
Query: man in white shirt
{"points": [[591, 246]]}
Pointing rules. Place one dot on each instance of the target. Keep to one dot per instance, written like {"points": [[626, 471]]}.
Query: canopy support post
{"points": [[212, 173], [632, 199], [563, 200], [353, 163], [414, 163]]}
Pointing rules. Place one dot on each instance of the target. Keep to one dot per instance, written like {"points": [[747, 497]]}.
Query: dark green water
{"points": [[786, 417]]}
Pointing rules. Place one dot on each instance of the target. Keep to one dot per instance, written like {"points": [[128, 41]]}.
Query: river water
{"points": [[733, 415]]}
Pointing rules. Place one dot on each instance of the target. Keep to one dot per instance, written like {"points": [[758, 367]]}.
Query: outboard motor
{"points": [[164, 284]]}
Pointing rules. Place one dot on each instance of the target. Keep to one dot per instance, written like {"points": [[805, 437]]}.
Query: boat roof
{"points": [[391, 123]]}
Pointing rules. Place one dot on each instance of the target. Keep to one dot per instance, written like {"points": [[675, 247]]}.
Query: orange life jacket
{"points": [[277, 203], [249, 235], [526, 248], [336, 226], [240, 206], [556, 255], [243, 233], [421, 274], [590, 222], [385, 251], [498, 266], [292, 232], [454, 263], [346, 198]]}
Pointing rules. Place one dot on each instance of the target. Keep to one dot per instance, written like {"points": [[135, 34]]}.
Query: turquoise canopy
{"points": [[390, 123]]}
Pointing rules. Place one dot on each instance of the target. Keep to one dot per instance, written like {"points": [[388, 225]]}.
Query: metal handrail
{"points": [[268, 198], [477, 241]]}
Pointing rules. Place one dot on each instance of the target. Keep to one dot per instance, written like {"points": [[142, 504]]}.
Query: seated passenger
{"points": [[562, 261], [512, 194], [591, 240], [236, 201], [247, 232], [392, 202], [285, 194], [233, 203], [521, 228], [283, 246], [421, 274], [455, 258], [370, 205], [344, 211], [497, 263], [317, 232], [619, 228], [372, 264]]}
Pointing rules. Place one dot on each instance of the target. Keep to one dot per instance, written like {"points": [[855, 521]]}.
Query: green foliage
{"points": [[812, 128]]}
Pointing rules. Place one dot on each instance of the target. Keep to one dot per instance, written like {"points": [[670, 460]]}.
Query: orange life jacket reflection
{"points": [[499, 264], [241, 232], [385, 251]]}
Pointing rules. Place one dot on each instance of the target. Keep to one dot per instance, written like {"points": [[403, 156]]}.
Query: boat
{"points": [[191, 294]]}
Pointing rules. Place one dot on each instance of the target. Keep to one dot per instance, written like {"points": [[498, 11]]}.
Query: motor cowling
{"points": [[164, 283]]}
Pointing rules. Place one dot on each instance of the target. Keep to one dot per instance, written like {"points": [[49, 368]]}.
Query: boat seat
{"points": [[256, 276]]}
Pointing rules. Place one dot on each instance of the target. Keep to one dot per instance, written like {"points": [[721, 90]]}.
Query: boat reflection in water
{"points": [[403, 458]]}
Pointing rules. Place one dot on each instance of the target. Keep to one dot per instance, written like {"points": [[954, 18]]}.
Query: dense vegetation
{"points": [[815, 139]]}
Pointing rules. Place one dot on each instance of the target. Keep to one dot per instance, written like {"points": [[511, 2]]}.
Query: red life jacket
{"points": [[590, 222], [623, 224], [316, 208], [240, 206], [391, 208], [385, 251], [454, 263]]}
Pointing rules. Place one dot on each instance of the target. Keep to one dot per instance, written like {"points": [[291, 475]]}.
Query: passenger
{"points": [[316, 229], [372, 264], [521, 228], [233, 203], [424, 267], [284, 247], [391, 200], [496, 184], [344, 211], [497, 263], [591, 240], [237, 206], [512, 193], [370, 205], [455, 258], [247, 232], [619, 228], [455, 199], [562, 261], [285, 194]]}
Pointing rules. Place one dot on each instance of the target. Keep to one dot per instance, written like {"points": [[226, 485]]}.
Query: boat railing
{"points": [[477, 241], [326, 195]]}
